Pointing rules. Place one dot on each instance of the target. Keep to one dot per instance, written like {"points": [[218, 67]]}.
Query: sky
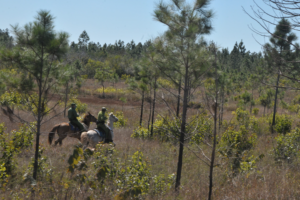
{"points": [[107, 21]]}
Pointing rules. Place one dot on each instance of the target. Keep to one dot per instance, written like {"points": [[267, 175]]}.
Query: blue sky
{"points": [[109, 20]]}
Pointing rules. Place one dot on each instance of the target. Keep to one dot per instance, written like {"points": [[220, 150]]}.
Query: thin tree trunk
{"points": [[221, 108], [39, 119], [182, 130], [215, 135], [153, 107], [142, 108], [178, 99], [274, 112], [103, 95], [251, 102], [150, 111], [66, 98]]}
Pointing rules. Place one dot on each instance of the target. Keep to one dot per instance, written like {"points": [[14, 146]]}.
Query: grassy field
{"points": [[269, 180]]}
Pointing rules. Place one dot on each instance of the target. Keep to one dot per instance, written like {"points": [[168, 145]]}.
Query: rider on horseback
{"points": [[101, 124], [72, 115]]}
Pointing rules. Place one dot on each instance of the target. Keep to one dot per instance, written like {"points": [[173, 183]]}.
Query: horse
{"points": [[92, 138], [63, 129]]}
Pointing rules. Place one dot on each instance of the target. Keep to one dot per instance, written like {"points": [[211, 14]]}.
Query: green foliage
{"points": [[238, 140], [246, 96], [44, 170], [135, 175], [11, 145], [296, 100], [243, 117], [74, 159], [129, 179], [284, 105], [283, 123], [235, 147], [266, 98], [287, 146], [166, 129], [80, 107], [255, 111], [17, 100], [203, 127], [140, 132], [122, 121]]}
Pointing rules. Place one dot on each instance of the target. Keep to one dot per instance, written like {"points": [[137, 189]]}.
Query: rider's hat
{"points": [[103, 109], [73, 104]]}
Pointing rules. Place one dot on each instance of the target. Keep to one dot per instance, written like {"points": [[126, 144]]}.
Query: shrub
{"points": [[284, 105], [235, 147], [124, 180], [296, 100], [43, 169], [246, 96], [294, 108], [287, 146], [140, 132], [199, 127], [166, 129], [255, 111], [283, 123], [11, 145], [122, 120], [203, 127]]}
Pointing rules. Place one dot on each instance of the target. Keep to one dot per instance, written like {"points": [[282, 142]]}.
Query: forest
{"points": [[195, 120]]}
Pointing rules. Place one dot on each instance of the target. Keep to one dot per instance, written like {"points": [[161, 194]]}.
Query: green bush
{"points": [[283, 123], [235, 147], [11, 145], [166, 129], [140, 132], [122, 120], [284, 105], [43, 170], [246, 96], [123, 180], [287, 146], [255, 111], [203, 126]]}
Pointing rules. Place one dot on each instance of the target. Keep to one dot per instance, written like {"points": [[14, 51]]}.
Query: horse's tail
{"points": [[52, 133]]}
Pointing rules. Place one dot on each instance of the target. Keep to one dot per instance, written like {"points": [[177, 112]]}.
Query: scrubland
{"points": [[151, 174]]}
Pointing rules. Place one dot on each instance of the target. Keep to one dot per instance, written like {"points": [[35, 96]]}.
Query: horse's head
{"points": [[89, 118], [112, 118]]}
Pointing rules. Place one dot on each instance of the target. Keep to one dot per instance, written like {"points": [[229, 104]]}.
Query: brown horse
{"points": [[63, 129]]}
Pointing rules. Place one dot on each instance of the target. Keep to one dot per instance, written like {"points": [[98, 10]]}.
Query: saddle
{"points": [[101, 133], [73, 128]]}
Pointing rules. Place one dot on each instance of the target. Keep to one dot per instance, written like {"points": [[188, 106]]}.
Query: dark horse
{"points": [[63, 129]]}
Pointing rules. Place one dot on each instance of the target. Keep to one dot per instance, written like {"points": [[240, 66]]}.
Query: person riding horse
{"points": [[72, 115], [101, 125]]}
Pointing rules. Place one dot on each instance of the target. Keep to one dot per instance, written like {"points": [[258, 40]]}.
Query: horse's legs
{"points": [[60, 139]]}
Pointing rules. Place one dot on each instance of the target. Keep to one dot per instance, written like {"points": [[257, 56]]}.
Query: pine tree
{"points": [[279, 53], [179, 47], [39, 49]]}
